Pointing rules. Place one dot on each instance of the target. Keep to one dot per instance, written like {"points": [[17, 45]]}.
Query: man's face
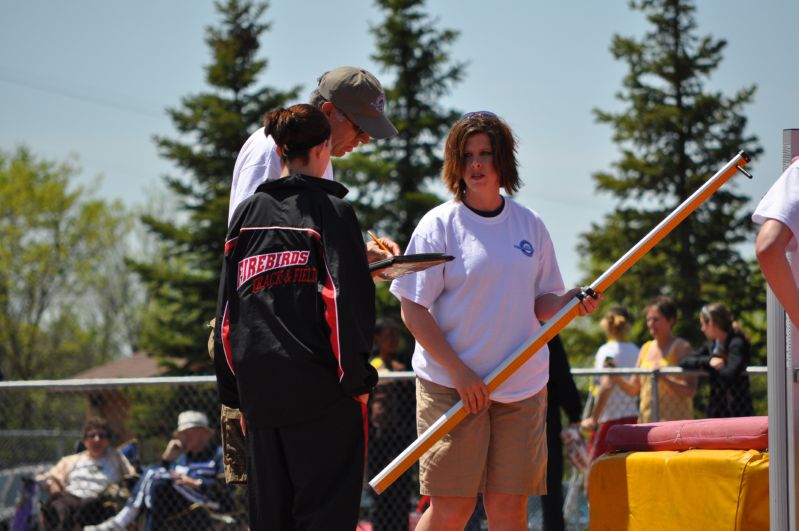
{"points": [[344, 134], [194, 439]]}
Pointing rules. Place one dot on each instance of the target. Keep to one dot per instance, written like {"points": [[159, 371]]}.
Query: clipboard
{"points": [[401, 265]]}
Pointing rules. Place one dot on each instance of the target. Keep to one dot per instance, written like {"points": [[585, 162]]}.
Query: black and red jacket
{"points": [[295, 316]]}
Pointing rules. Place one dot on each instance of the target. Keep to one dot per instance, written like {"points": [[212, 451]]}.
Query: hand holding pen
{"points": [[381, 248]]}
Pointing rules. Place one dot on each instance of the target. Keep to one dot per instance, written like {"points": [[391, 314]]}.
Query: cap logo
{"points": [[379, 104]]}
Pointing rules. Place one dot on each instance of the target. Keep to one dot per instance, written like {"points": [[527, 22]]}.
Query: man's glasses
{"points": [[97, 435], [358, 130]]}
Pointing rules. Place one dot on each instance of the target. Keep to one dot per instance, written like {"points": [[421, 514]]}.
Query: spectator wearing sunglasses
{"points": [[75, 484]]}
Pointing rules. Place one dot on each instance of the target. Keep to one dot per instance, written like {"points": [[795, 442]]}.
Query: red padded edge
{"points": [[740, 433]]}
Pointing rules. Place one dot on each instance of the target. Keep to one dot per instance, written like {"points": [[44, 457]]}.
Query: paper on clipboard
{"points": [[398, 266]]}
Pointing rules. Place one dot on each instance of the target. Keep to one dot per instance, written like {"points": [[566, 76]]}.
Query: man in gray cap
{"points": [[354, 103]]}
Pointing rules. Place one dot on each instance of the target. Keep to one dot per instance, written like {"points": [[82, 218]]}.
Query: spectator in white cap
{"points": [[187, 475]]}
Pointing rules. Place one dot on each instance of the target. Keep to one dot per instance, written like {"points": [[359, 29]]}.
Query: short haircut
{"points": [[317, 100], [503, 146], [386, 323], [96, 423], [297, 129]]}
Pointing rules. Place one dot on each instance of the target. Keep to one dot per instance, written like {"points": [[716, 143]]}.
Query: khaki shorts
{"points": [[501, 449]]}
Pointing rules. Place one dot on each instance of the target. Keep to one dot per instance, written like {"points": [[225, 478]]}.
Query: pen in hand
{"points": [[381, 244]]}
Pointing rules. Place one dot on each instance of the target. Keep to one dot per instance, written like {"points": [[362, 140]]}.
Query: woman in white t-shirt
{"points": [[468, 316], [612, 405]]}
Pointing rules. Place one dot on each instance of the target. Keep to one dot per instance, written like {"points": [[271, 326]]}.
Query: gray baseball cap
{"points": [[358, 94]]}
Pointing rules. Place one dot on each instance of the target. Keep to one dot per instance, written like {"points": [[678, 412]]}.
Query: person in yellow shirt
{"points": [[675, 392]]}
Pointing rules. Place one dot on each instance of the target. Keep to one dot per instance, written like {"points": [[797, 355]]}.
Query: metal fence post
{"points": [[783, 394], [655, 396]]}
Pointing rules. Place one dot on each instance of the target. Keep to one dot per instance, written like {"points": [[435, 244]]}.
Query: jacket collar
{"points": [[301, 180]]}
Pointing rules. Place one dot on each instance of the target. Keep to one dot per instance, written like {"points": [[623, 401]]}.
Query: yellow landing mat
{"points": [[705, 490]]}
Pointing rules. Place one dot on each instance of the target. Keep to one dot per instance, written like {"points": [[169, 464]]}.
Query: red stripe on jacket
{"points": [[225, 328], [331, 316], [230, 244]]}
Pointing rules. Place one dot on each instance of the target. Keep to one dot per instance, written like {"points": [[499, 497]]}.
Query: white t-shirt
{"points": [[256, 163], [624, 355], [781, 202], [89, 477], [484, 299]]}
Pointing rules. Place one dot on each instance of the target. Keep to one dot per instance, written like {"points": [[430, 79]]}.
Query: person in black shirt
{"points": [[724, 356], [562, 393]]}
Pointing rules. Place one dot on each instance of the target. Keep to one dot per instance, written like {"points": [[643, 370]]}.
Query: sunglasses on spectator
{"points": [[98, 434]]}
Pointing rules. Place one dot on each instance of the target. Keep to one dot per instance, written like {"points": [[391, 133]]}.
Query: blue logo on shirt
{"points": [[525, 247]]}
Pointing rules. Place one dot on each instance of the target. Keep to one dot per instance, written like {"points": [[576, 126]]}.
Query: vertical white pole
{"points": [[783, 395]]}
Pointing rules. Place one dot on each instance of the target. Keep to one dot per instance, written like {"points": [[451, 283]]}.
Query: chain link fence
{"points": [[41, 422]]}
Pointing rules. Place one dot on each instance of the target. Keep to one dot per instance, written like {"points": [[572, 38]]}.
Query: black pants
{"points": [[552, 503], [66, 511], [308, 475]]}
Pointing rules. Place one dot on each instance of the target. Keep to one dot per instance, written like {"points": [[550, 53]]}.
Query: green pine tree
{"points": [[183, 281], [390, 180], [673, 134]]}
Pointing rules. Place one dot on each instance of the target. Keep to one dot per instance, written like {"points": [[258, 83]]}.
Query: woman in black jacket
{"points": [[725, 356], [294, 329]]}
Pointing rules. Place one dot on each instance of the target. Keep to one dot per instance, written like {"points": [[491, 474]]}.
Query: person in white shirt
{"points": [[470, 314], [778, 213], [612, 405], [351, 98]]}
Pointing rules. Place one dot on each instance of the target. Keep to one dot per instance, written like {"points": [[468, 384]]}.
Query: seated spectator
{"points": [[189, 474], [725, 356], [75, 484]]}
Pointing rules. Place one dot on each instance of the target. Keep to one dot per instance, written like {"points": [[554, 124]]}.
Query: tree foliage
{"points": [[390, 179], [66, 300], [183, 280], [673, 134]]}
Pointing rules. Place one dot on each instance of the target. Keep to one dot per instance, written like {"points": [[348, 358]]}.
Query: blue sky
{"points": [[93, 78]]}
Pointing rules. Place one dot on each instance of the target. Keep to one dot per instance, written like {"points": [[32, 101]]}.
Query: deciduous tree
{"points": [[65, 300]]}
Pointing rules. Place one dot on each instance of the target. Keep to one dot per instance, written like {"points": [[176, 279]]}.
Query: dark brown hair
{"points": [[665, 305], [503, 147], [296, 130], [98, 424]]}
